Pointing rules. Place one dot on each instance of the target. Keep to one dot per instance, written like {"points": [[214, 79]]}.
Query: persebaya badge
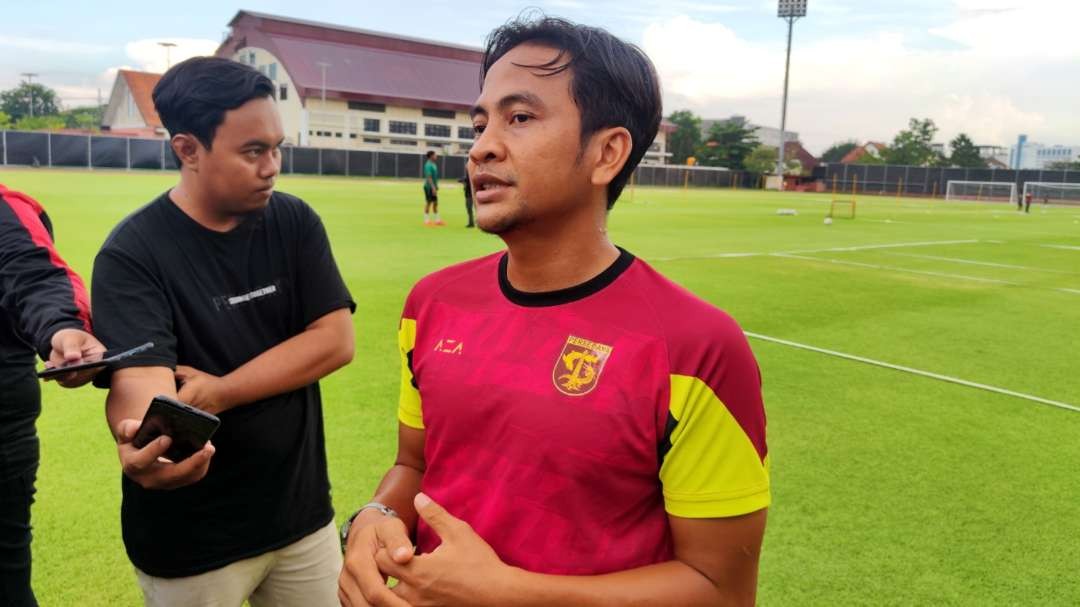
{"points": [[578, 368]]}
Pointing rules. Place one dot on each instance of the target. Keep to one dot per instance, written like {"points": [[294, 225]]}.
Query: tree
{"points": [[913, 145], [84, 117], [837, 151], [727, 145], [763, 160], [5, 121], [40, 123], [1064, 165], [687, 136], [16, 102], [965, 154]]}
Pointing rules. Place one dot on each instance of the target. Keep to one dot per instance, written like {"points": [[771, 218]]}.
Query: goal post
{"points": [[983, 191], [1052, 193]]}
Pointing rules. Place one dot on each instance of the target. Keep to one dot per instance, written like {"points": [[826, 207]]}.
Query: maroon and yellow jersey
{"points": [[566, 426]]}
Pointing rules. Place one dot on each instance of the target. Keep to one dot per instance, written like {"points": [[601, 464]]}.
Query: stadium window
{"points": [[402, 142], [352, 135], [273, 71], [372, 140], [338, 134], [367, 107], [436, 130], [435, 144], [372, 125], [438, 113], [465, 132], [284, 92], [402, 128]]}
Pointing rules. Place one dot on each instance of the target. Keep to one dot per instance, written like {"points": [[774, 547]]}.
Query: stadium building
{"points": [[341, 87]]}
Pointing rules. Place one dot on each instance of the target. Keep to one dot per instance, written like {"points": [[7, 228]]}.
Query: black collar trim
{"points": [[569, 294]]}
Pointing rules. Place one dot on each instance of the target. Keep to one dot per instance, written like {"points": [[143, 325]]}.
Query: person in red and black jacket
{"points": [[44, 310]]}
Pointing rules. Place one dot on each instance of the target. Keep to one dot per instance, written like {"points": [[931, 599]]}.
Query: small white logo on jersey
{"points": [[257, 293]]}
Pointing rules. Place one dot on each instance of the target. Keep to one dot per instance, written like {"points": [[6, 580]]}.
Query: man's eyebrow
{"points": [[507, 101], [260, 143]]}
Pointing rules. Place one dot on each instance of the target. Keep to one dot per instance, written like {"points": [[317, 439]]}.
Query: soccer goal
{"points": [[1052, 193], [989, 191]]}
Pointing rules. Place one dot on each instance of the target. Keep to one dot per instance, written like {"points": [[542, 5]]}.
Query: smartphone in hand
{"points": [[106, 358], [188, 427]]}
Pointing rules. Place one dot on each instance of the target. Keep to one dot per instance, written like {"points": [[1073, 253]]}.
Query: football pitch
{"points": [[890, 487]]}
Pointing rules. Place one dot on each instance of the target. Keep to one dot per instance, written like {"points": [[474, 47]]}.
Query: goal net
{"points": [[990, 191], [1052, 193]]}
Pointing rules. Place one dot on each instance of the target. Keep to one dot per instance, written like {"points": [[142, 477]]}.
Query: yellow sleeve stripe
{"points": [[410, 411], [712, 469]]}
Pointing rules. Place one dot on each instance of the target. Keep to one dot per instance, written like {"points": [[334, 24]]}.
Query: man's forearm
{"points": [[303, 359], [398, 488], [660, 585], [131, 391]]}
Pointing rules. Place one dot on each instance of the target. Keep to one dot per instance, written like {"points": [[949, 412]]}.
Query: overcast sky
{"points": [[859, 68]]}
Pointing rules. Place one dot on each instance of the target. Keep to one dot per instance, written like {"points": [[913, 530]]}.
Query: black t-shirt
{"points": [[214, 301]]}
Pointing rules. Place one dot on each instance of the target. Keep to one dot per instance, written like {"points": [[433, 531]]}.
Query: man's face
{"points": [[239, 169], [524, 164]]}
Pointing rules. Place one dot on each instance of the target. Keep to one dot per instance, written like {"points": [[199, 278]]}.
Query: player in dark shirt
{"points": [[237, 286]]}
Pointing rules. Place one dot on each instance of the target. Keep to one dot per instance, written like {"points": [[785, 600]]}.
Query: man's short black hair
{"points": [[430, 154], [194, 95], [613, 82]]}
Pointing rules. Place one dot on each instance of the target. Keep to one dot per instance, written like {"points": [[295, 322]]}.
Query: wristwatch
{"points": [[386, 510]]}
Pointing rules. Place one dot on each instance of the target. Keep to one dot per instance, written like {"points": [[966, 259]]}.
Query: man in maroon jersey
{"points": [[575, 429]]}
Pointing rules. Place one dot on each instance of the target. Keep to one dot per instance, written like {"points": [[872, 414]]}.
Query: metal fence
{"points": [[101, 151], [925, 181]]}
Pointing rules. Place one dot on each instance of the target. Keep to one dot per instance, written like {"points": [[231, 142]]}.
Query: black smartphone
{"points": [[188, 427], [104, 359]]}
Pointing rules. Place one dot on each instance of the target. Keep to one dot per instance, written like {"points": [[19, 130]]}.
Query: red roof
{"points": [[363, 65], [859, 151], [141, 85], [794, 149]]}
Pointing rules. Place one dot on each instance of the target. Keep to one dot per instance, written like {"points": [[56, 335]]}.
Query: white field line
{"points": [[710, 256], [1066, 247], [981, 263], [875, 266], [892, 245], [883, 220], [1073, 291], [919, 372]]}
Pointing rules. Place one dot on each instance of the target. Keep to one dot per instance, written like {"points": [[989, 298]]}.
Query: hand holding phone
{"points": [[104, 359], [172, 430]]}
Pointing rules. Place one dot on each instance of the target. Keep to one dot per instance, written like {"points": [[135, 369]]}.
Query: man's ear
{"points": [[188, 149], [611, 150]]}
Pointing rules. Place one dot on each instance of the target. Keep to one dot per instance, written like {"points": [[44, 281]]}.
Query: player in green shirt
{"points": [[431, 191]]}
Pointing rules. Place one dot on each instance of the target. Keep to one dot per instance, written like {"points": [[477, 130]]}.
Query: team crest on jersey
{"points": [[578, 367]]}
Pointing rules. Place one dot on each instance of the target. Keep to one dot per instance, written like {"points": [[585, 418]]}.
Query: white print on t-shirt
{"points": [[246, 297]]}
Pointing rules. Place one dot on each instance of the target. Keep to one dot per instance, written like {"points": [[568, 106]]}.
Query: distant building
{"points": [[343, 87], [130, 110], [871, 148], [1033, 155], [766, 135], [795, 150]]}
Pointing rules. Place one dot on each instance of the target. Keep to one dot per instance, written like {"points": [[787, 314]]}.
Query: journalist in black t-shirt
{"points": [[237, 287]]}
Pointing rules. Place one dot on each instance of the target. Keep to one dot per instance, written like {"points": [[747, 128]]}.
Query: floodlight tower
{"points": [[789, 10], [30, 81], [168, 46]]}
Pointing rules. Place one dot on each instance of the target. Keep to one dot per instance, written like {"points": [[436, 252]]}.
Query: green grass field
{"points": [[889, 488]]}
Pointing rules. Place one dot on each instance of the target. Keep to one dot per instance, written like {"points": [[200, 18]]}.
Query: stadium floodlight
{"points": [[981, 191], [790, 10], [30, 80], [168, 46]]}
